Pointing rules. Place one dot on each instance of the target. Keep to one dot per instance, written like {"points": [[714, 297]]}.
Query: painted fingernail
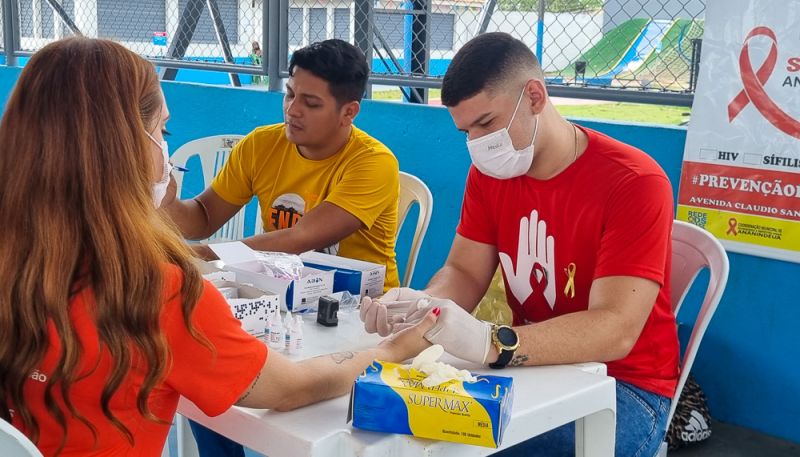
{"points": [[436, 311]]}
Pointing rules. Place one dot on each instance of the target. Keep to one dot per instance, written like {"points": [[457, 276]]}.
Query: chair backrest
{"points": [[412, 189], [692, 250], [13, 442], [213, 152]]}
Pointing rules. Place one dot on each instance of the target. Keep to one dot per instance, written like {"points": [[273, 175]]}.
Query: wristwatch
{"points": [[506, 341]]}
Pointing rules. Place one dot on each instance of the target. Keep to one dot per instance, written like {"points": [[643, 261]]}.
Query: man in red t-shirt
{"points": [[580, 224]]}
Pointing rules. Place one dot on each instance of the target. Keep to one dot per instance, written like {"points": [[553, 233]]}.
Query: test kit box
{"points": [[250, 305], [389, 397], [360, 278], [294, 294], [214, 271]]}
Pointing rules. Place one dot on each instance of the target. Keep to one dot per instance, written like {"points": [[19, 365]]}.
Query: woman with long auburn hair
{"points": [[104, 320]]}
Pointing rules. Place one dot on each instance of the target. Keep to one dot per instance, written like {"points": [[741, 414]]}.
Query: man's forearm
{"points": [[619, 307], [191, 218], [455, 284], [586, 336], [276, 241], [286, 240]]}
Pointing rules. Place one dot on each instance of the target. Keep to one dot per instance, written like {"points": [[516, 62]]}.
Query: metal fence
{"points": [[223, 35], [638, 50], [2, 26]]}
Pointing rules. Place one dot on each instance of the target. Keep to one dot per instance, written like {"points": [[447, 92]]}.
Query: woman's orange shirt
{"points": [[211, 380]]}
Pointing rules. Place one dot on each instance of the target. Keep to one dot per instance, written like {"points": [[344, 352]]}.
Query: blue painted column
{"points": [[540, 34]]}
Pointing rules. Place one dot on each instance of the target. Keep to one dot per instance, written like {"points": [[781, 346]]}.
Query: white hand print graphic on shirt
{"points": [[534, 247]]}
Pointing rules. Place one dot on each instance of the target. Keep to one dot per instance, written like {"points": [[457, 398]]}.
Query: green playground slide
{"points": [[607, 53], [672, 59]]}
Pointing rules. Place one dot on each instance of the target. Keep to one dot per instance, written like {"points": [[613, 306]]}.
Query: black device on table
{"points": [[326, 311]]}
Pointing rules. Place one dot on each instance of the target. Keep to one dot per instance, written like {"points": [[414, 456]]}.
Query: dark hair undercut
{"points": [[485, 63]]}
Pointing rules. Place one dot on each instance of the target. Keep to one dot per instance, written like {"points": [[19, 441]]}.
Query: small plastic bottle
{"points": [[276, 332], [296, 332], [287, 333], [266, 328]]}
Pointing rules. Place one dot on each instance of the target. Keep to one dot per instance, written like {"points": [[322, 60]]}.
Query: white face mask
{"points": [[494, 154], [160, 187]]}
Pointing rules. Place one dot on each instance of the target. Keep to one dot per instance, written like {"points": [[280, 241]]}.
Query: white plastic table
{"points": [[544, 398]]}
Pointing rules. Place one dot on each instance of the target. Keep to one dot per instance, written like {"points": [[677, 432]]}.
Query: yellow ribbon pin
{"points": [[569, 291]]}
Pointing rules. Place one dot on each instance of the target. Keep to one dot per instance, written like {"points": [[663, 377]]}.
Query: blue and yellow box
{"points": [[388, 397]]}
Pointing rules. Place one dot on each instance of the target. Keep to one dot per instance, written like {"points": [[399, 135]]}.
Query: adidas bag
{"points": [[691, 422]]}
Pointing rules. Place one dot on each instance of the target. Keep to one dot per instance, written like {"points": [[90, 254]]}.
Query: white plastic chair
{"points": [[13, 442], [692, 250], [213, 152], [186, 444], [412, 189]]}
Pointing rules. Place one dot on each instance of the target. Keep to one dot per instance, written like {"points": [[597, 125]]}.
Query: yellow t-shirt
{"points": [[362, 179]]}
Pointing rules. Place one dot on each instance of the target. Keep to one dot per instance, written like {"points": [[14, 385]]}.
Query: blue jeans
{"points": [[641, 424], [212, 444]]}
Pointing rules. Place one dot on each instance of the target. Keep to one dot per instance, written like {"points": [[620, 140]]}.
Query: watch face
{"points": [[506, 336]]}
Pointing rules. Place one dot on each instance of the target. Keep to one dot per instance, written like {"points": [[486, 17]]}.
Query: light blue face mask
{"points": [[494, 154]]}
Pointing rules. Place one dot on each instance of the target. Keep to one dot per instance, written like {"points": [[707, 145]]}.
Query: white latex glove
{"points": [[459, 333], [402, 294], [379, 315], [414, 313]]}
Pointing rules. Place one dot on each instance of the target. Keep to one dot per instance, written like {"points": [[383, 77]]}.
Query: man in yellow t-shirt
{"points": [[321, 183]]}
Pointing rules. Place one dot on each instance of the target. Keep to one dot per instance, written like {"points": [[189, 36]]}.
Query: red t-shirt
{"points": [[213, 381], [608, 214]]}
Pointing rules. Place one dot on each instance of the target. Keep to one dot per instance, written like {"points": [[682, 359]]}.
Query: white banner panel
{"points": [[741, 169]]}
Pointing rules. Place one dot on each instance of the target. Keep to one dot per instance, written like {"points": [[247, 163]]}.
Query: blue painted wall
{"points": [[8, 76], [748, 361]]}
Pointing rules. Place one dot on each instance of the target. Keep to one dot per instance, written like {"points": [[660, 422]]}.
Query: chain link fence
{"points": [[201, 31], [639, 45], [2, 27], [633, 46]]}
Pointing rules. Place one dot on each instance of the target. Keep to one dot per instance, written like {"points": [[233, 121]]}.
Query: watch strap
{"points": [[503, 360]]}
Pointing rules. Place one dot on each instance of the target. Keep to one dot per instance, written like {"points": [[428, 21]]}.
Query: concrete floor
{"points": [[731, 441]]}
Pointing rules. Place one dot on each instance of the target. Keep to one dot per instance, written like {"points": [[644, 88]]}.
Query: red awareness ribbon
{"points": [[732, 223], [753, 83]]}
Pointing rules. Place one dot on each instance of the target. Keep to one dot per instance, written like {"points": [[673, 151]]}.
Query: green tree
{"points": [[551, 6]]}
